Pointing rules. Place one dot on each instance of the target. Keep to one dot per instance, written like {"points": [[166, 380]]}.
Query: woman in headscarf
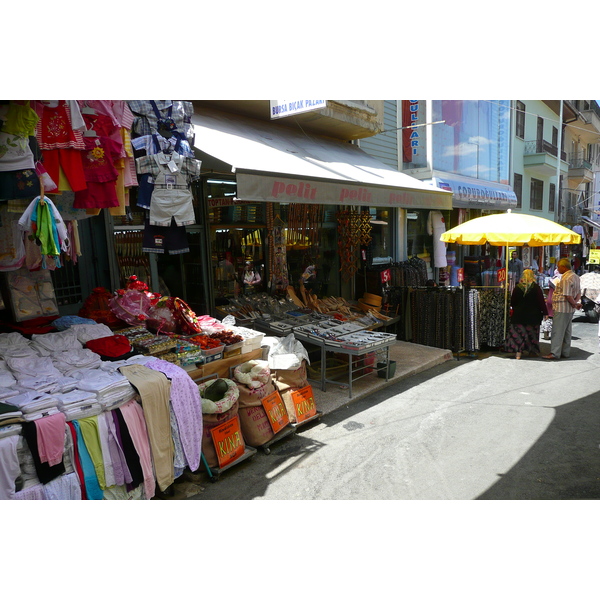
{"points": [[528, 309]]}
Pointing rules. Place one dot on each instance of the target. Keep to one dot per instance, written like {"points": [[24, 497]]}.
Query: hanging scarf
{"points": [[44, 230]]}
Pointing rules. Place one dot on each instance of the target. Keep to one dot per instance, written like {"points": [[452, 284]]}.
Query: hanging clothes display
{"points": [[153, 115], [171, 195], [435, 227], [59, 134], [101, 154], [42, 220], [491, 317]]}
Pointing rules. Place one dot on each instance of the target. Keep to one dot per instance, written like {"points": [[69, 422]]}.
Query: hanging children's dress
{"points": [[100, 172], [61, 143]]}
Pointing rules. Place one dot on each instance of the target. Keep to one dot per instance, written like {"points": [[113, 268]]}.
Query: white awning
{"points": [[590, 222], [277, 164]]}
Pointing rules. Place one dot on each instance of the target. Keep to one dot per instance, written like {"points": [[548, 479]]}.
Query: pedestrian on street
{"points": [[515, 269], [528, 310], [565, 301]]}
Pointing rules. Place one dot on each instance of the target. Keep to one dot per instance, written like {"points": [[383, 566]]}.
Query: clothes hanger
{"points": [[87, 110]]}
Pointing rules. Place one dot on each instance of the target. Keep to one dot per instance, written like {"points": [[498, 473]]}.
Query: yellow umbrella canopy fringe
{"points": [[510, 229]]}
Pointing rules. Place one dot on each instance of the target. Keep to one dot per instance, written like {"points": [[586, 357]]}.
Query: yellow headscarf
{"points": [[527, 279]]}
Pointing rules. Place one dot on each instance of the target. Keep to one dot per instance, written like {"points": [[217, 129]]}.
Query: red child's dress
{"points": [[100, 173]]}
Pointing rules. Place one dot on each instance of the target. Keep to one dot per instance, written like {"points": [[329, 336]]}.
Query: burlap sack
{"points": [[254, 422], [287, 381], [255, 425], [252, 396], [296, 378], [209, 421], [286, 395]]}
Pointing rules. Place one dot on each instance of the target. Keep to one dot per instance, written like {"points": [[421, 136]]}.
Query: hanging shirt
{"points": [[54, 130], [146, 121], [99, 159]]}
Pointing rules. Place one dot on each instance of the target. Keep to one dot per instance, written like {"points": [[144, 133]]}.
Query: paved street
{"points": [[489, 427]]}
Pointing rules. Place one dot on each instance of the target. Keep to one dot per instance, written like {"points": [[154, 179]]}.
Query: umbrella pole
{"points": [[506, 289]]}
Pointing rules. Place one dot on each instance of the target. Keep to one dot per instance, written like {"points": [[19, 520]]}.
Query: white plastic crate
{"points": [[252, 339]]}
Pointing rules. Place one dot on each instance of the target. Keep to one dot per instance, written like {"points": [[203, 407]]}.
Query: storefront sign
{"points": [[594, 257], [410, 137], [228, 441], [285, 108], [304, 403], [276, 412], [267, 188], [224, 202], [478, 196]]}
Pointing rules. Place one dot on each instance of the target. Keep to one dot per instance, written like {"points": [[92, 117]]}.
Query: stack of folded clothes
{"points": [[110, 388], [78, 404], [33, 372], [8, 384], [69, 362], [85, 333], [10, 414], [49, 344], [9, 461], [12, 341], [35, 405]]}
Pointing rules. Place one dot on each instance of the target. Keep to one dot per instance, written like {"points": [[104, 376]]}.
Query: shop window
{"points": [[67, 284], [520, 120], [379, 250], [518, 188], [312, 241], [474, 138], [552, 197], [536, 196]]}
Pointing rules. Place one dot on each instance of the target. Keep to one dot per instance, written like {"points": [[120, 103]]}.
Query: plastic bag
{"points": [[161, 319], [285, 353], [130, 306]]}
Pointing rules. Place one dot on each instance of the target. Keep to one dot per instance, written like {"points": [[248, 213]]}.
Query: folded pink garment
{"points": [[51, 438]]}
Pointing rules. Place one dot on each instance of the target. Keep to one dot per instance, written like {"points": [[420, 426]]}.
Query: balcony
{"points": [[580, 169], [341, 119], [540, 158]]}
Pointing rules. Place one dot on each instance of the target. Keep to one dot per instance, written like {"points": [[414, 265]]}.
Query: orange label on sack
{"points": [[275, 409], [228, 441], [304, 403]]}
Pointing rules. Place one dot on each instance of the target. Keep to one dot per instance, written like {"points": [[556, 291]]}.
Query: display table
{"points": [[221, 367], [358, 344]]}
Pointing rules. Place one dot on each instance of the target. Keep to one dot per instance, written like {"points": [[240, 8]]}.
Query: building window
{"points": [[555, 137], [536, 195], [518, 187], [520, 120], [551, 197]]}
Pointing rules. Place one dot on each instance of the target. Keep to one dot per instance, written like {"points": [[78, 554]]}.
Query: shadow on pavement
{"points": [[564, 464]]}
